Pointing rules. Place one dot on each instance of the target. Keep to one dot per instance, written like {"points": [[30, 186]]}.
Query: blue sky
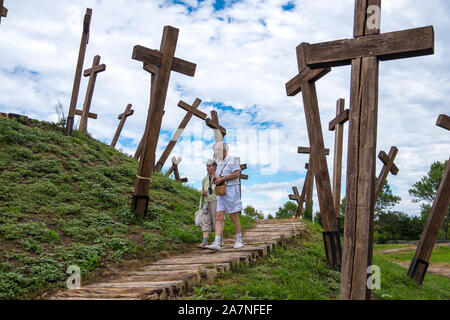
{"points": [[245, 53]]}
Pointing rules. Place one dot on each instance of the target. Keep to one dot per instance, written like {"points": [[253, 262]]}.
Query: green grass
{"points": [[66, 200], [298, 271], [441, 254], [378, 247]]}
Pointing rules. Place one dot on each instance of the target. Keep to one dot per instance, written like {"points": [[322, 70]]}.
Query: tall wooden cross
{"points": [[299, 199], [388, 166], [191, 111], [364, 52], [176, 172], [337, 125], [92, 74], [305, 82], [78, 71], [3, 11], [164, 62], [419, 264], [219, 131], [123, 117]]}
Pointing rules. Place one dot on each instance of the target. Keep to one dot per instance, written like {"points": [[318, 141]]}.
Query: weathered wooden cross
{"points": [[3, 11], [78, 71], [176, 172], [299, 199], [164, 62], [364, 53], [305, 82], [309, 179], [242, 176], [123, 117], [419, 264], [219, 131], [389, 166], [337, 125], [191, 111], [92, 74]]}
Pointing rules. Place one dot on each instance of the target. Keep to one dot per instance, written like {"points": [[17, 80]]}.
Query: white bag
{"points": [[199, 214]]}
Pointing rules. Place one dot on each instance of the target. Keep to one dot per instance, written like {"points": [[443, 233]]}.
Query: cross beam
{"points": [[92, 74], [305, 82], [441, 203], [337, 125], [3, 11], [90, 114], [305, 150], [174, 169], [213, 123], [123, 117], [389, 166], [78, 71], [164, 62], [191, 111], [443, 121]]}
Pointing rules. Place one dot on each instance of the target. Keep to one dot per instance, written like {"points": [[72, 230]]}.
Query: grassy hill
{"points": [[66, 201]]}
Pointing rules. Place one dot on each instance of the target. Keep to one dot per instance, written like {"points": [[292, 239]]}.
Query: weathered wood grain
{"points": [[122, 117], [443, 121]]}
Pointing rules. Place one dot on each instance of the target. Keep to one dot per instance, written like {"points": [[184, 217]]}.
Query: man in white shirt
{"points": [[228, 171]]}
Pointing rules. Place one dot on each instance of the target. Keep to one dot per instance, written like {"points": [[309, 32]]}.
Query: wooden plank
{"points": [[389, 166], [294, 86], [97, 69], [305, 150], [78, 71], [387, 46], [338, 127], [3, 11], [193, 109], [443, 121], [90, 114], [148, 56], [184, 67], [340, 119]]}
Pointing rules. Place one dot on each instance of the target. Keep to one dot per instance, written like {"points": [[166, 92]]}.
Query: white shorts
{"points": [[231, 202]]}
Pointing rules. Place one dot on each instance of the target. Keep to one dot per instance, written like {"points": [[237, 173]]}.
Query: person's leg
{"points": [[237, 223], [220, 218]]}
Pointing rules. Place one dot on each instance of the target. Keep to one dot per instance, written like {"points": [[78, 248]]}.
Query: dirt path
{"points": [[177, 275], [441, 269]]}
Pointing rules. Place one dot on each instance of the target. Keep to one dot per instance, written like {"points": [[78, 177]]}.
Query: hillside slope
{"points": [[66, 201]]}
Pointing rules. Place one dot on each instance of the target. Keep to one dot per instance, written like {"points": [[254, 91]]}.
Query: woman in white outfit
{"points": [[228, 171]]}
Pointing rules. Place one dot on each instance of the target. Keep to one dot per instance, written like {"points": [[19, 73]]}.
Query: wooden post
{"points": [[364, 53], [92, 74], [213, 123], [3, 11], [191, 111], [419, 264], [337, 125], [299, 199], [123, 117], [305, 82], [389, 166], [164, 62], [242, 176], [79, 69]]}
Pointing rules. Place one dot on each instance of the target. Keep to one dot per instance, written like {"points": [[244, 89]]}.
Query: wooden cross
{"points": [[389, 166], [78, 71], [309, 179], [242, 176], [92, 74], [174, 169], [163, 63], [123, 117], [3, 11], [305, 82], [213, 123], [191, 111], [337, 125], [419, 264], [364, 53], [299, 199]]}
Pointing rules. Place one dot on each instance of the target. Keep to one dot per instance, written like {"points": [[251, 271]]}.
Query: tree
{"points": [[288, 210], [425, 191], [251, 212]]}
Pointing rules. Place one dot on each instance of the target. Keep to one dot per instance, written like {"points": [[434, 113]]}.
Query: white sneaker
{"points": [[214, 246], [238, 244]]}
